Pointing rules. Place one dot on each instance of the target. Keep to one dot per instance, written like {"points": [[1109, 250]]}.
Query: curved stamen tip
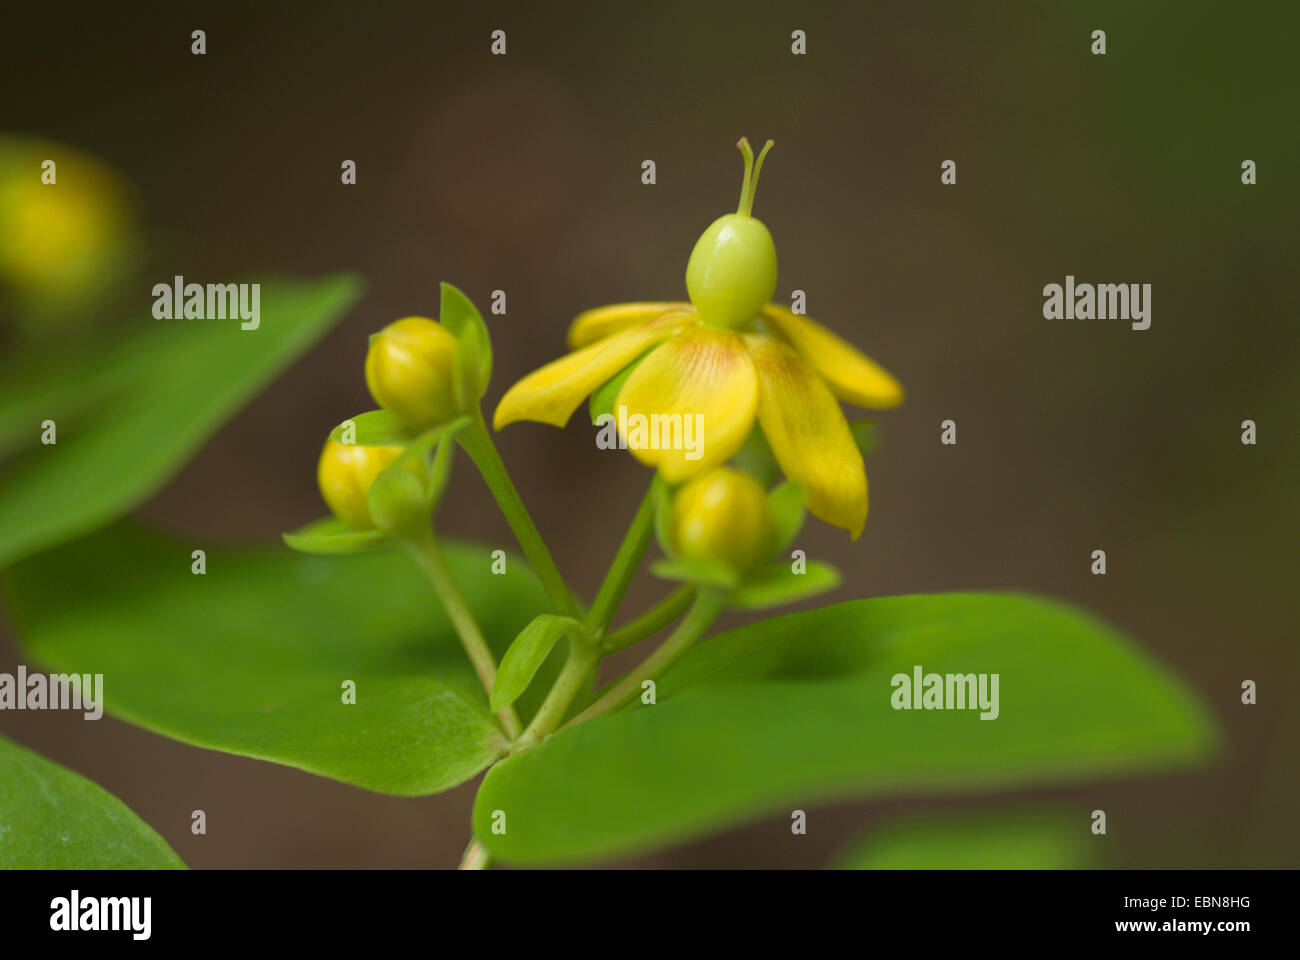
{"points": [[752, 169]]}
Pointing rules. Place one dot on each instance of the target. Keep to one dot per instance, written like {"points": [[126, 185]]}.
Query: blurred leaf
{"points": [[251, 657], [526, 654], [330, 536], [47, 382], [777, 585], [178, 382], [54, 819], [796, 710], [1029, 840], [376, 428]]}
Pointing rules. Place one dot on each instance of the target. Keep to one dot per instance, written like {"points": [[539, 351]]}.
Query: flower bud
{"points": [[66, 223], [723, 515], [409, 371], [345, 474]]}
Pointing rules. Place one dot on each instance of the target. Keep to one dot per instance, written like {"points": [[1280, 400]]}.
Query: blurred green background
{"points": [[522, 173]]}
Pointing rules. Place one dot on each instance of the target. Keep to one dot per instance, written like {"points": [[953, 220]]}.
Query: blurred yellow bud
{"points": [[345, 474], [723, 515], [409, 371], [65, 221]]}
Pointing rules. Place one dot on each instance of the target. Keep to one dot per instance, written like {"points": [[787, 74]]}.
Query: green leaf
{"points": [[797, 710], [526, 654], [54, 819], [331, 536], [697, 570], [777, 585], [474, 354], [60, 382], [786, 504], [167, 387], [252, 657], [375, 428], [1024, 840]]}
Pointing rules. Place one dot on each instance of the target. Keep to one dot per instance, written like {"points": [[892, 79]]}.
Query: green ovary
{"points": [[732, 271]]}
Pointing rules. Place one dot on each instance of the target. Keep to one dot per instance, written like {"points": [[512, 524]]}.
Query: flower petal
{"points": [[852, 375], [592, 325], [703, 371], [808, 434], [551, 393]]}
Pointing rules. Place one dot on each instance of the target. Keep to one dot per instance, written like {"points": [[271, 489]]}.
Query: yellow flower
{"points": [[782, 369]]}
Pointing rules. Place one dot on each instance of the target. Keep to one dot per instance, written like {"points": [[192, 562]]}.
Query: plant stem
{"points": [[428, 555], [625, 564], [652, 621], [476, 857], [583, 656], [705, 609], [477, 442]]}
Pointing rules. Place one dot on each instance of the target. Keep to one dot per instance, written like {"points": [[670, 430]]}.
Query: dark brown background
{"points": [[523, 173]]}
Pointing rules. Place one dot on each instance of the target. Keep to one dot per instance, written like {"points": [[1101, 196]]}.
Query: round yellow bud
{"points": [[345, 473], [722, 515], [65, 219], [409, 371]]}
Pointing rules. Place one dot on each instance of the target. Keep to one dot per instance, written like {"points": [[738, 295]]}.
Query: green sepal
{"points": [[787, 506], [699, 571], [419, 447], [778, 584], [330, 535], [376, 428], [526, 654], [604, 399], [755, 458], [440, 472], [398, 501], [472, 365], [865, 434]]}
